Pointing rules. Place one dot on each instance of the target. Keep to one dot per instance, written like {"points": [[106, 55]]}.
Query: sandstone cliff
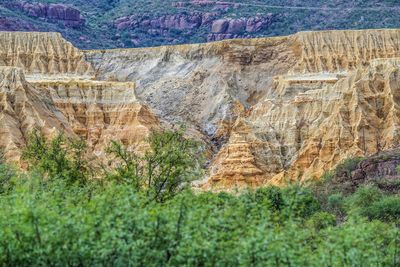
{"points": [[23, 108], [43, 53], [270, 110], [52, 90], [291, 90]]}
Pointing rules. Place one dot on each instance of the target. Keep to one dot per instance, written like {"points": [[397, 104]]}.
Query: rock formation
{"points": [[233, 28], [42, 53], [23, 108], [57, 94], [269, 110], [217, 28], [68, 16]]}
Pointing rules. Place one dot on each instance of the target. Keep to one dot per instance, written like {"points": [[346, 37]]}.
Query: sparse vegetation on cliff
{"points": [[47, 220], [128, 23]]}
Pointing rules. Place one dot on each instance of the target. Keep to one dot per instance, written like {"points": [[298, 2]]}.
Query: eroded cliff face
{"points": [[23, 108], [269, 110], [52, 90], [41, 53]]}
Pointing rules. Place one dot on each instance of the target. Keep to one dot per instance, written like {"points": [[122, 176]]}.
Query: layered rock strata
{"points": [[42, 53], [272, 110], [22, 109]]}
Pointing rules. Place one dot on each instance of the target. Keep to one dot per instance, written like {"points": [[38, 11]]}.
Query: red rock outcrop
{"points": [[67, 15]]}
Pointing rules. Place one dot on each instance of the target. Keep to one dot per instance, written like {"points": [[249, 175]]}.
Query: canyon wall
{"points": [[277, 109], [41, 53], [48, 85], [269, 110]]}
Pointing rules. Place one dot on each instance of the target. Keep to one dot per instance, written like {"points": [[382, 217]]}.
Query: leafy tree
{"points": [[363, 197], [321, 220], [58, 158], [300, 202], [166, 168]]}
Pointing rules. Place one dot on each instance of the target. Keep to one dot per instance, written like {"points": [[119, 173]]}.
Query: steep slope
{"points": [[99, 111], [57, 95], [270, 97], [270, 110], [311, 121], [206, 86], [43, 53], [23, 108]]}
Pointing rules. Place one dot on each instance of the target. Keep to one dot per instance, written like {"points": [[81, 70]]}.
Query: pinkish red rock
{"points": [[183, 21], [237, 26], [220, 26], [67, 15]]}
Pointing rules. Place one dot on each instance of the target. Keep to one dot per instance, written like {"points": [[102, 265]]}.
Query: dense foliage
{"points": [[47, 220]]}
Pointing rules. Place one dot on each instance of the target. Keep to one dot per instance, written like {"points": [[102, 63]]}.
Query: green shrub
{"points": [[347, 166], [327, 177], [59, 158], [336, 204], [300, 202], [398, 169], [271, 195], [7, 176], [363, 197], [321, 220], [113, 225], [167, 168], [386, 209]]}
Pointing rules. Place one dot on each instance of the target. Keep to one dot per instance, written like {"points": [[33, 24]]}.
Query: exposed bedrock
{"points": [[274, 109]]}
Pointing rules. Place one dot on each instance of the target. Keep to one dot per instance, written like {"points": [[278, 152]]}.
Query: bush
{"points": [[321, 220], [59, 158], [300, 202], [347, 166], [167, 168], [386, 209], [363, 197], [271, 195], [336, 204], [7, 176], [113, 225]]}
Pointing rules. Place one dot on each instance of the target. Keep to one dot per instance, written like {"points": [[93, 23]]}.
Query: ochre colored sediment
{"points": [[269, 110]]}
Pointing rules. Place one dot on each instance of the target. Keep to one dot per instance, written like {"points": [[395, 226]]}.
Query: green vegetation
{"points": [[167, 168], [290, 17], [130, 218]]}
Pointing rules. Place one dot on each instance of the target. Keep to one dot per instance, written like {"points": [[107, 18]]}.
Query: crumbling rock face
{"points": [[199, 85], [345, 50], [308, 100], [100, 112], [22, 109], [270, 110], [42, 53], [57, 94]]}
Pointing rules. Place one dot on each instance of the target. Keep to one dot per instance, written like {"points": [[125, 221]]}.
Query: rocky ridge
{"points": [[66, 15], [269, 110]]}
